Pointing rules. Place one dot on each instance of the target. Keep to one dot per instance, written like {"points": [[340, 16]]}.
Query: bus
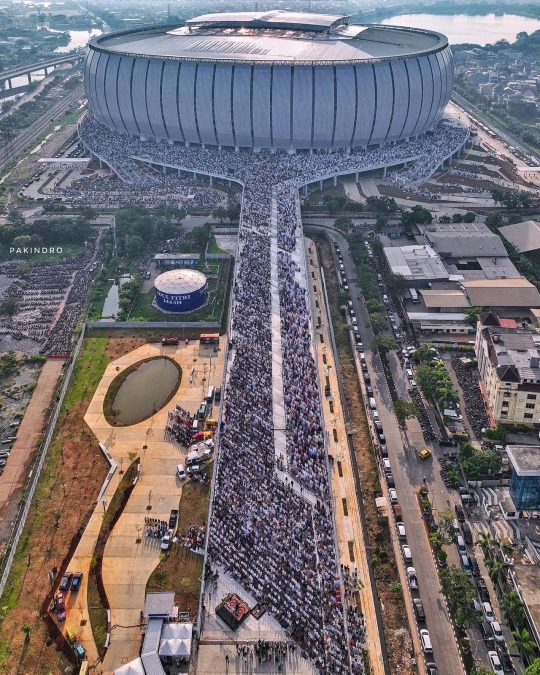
{"points": [[414, 296], [209, 339]]}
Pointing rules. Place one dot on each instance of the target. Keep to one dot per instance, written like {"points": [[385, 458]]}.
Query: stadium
{"points": [[180, 290], [271, 81]]}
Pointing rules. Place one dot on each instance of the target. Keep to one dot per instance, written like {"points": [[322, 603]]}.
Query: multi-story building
{"points": [[509, 365], [525, 481]]}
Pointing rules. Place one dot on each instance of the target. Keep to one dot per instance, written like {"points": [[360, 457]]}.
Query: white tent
{"points": [[131, 668], [174, 647], [181, 631]]}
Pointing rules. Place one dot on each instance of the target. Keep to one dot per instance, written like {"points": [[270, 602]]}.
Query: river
{"points": [[476, 29]]}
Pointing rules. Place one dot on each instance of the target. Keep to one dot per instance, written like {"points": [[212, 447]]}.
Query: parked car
{"points": [[367, 378], [461, 545], [460, 513], [506, 662], [495, 662], [401, 531], [450, 443], [488, 611], [475, 569], [407, 554], [390, 480], [497, 631], [425, 453], [386, 465], [173, 519], [432, 669], [426, 641], [166, 542], [393, 496], [217, 395], [181, 472], [413, 579], [66, 581], [467, 534], [194, 468], [485, 629], [482, 589], [76, 582], [382, 439], [418, 607]]}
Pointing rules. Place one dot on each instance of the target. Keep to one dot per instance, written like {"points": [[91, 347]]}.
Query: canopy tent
{"points": [[174, 647], [132, 668], [180, 631]]}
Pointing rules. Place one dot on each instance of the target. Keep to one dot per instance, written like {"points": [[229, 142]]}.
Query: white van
{"points": [[373, 404], [426, 641], [195, 426], [193, 458], [180, 472]]}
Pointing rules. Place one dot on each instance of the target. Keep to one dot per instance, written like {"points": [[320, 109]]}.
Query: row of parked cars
{"points": [[70, 582], [490, 628]]}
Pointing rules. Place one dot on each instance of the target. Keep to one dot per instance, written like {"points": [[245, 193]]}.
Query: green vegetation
{"points": [[138, 227], [436, 385], [213, 246], [478, 462], [524, 644], [382, 344], [534, 668], [456, 586], [417, 215], [404, 410]]}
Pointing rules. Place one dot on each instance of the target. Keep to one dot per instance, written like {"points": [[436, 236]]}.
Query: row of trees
{"points": [[138, 227], [468, 217], [514, 200], [436, 384], [18, 232], [231, 212]]}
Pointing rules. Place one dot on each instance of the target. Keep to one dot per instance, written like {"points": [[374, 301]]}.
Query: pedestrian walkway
{"points": [[352, 192], [369, 186]]}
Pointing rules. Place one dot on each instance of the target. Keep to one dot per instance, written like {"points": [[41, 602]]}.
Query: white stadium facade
{"points": [[270, 80]]}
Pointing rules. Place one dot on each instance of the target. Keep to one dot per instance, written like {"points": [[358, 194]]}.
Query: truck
{"points": [[413, 579], [170, 341]]}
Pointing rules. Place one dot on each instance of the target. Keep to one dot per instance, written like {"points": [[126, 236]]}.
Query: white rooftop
{"points": [[180, 282], [416, 263]]}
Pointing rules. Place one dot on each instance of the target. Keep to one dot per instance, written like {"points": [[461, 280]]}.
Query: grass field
{"points": [[213, 246]]}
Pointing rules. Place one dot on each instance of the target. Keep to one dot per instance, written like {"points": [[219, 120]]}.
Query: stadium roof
{"points": [[502, 293], [525, 236], [288, 38]]}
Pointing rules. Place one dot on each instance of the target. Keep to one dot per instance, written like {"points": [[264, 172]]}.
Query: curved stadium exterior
{"points": [[270, 80]]}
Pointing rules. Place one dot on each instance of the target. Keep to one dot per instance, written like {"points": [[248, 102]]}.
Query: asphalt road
{"points": [[408, 472]]}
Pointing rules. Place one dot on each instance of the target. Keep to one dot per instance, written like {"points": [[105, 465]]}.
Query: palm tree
{"points": [[523, 642], [498, 571], [513, 609], [486, 543]]}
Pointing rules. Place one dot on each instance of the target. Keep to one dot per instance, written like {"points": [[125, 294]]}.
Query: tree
{"points": [[378, 323], [425, 353], [334, 206], [457, 218], [26, 630], [135, 246], [219, 213], [534, 668], [469, 217], [472, 314], [377, 246], [494, 221], [9, 308], [426, 378], [456, 586], [344, 223], [445, 219], [522, 640], [513, 609], [522, 35], [233, 212], [15, 218], [200, 235], [486, 542], [498, 571], [422, 215], [445, 526], [382, 344], [373, 306], [381, 223], [481, 670], [397, 282], [404, 410]]}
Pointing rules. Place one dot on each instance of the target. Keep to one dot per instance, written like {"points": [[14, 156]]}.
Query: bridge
{"points": [[46, 65]]}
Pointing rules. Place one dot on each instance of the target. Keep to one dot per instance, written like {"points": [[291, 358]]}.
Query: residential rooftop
{"points": [[525, 459], [524, 236]]}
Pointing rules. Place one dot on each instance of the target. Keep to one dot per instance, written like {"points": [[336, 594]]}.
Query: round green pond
{"points": [[145, 390]]}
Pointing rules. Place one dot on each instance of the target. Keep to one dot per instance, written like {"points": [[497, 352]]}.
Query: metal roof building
{"points": [[270, 80], [420, 265], [504, 293], [525, 236]]}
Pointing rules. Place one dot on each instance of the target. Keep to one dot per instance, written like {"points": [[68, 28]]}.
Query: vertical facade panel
{"points": [[111, 92], [223, 104], [365, 113], [281, 107], [138, 96], [323, 120], [87, 79], [101, 96], [242, 105], [92, 69], [302, 106], [385, 99], [346, 105], [205, 119], [153, 97], [186, 101], [415, 96], [169, 100], [401, 99], [437, 89], [125, 102], [427, 97], [261, 107]]}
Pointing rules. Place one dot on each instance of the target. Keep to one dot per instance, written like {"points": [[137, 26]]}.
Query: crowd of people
{"points": [[49, 298], [277, 542]]}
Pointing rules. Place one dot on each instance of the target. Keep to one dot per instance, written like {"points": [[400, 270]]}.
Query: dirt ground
{"points": [[64, 500], [396, 629]]}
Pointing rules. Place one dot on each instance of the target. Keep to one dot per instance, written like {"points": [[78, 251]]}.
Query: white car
{"points": [[401, 531], [488, 612], [386, 465], [393, 496], [497, 631], [407, 555], [426, 641], [180, 472], [495, 661]]}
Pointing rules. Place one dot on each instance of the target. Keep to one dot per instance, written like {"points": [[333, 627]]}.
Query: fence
{"points": [[36, 470], [151, 324]]}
